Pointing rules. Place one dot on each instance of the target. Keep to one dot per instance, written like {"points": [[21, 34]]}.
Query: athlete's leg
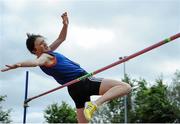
{"points": [[80, 116], [110, 89]]}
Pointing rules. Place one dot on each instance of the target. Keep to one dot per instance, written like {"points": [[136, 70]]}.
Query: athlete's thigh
{"points": [[107, 84]]}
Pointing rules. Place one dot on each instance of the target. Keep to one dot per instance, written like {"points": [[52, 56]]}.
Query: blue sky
{"points": [[99, 33]]}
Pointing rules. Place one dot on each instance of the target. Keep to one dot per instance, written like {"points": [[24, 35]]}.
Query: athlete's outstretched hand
{"points": [[65, 18], [9, 67]]}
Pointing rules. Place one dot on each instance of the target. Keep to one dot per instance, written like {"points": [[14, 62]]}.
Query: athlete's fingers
{"points": [[10, 66], [6, 69]]}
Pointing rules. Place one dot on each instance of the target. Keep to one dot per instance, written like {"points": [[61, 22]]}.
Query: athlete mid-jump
{"points": [[64, 70]]}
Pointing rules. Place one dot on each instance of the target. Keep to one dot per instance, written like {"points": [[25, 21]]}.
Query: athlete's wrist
{"points": [[18, 65]]}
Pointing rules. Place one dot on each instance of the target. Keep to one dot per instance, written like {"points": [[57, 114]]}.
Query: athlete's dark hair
{"points": [[30, 41]]}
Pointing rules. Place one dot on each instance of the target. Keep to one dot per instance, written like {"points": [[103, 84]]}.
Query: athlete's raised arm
{"points": [[63, 33]]}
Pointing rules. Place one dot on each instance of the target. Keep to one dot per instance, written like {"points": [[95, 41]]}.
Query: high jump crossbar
{"points": [[160, 43]]}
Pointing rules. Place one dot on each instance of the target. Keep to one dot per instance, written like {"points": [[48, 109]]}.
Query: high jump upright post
{"points": [[25, 98]]}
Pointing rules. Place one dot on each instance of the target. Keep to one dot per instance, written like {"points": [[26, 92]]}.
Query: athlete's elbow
{"points": [[37, 63]]}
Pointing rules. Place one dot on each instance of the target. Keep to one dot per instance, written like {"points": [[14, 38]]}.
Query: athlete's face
{"points": [[40, 46]]}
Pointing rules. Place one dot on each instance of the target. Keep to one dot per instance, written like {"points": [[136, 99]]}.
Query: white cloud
{"points": [[90, 37], [169, 67], [15, 6], [39, 83]]}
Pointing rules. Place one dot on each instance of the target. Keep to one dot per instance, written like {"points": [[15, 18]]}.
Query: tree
{"points": [[153, 105], [62, 113], [4, 114], [174, 94]]}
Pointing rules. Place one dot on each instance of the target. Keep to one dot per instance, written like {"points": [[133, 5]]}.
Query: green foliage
{"points": [[4, 115], [152, 104], [174, 94], [175, 89], [60, 113]]}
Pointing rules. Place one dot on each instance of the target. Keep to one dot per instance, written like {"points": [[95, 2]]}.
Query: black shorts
{"points": [[81, 91]]}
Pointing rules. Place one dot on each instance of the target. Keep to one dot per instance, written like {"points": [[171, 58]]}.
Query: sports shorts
{"points": [[81, 91]]}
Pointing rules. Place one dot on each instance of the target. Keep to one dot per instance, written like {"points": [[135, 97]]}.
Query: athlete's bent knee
{"points": [[128, 87]]}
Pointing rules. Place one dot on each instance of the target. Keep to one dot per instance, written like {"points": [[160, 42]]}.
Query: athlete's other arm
{"points": [[42, 60], [63, 33]]}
